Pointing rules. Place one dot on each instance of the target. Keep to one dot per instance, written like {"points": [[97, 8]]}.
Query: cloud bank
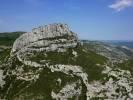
{"points": [[121, 4]]}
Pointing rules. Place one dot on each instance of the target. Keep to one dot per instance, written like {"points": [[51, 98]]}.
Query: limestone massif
{"points": [[46, 38], [50, 63]]}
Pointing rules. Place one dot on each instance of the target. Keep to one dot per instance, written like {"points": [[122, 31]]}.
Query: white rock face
{"points": [[118, 86], [68, 91], [2, 82], [45, 38]]}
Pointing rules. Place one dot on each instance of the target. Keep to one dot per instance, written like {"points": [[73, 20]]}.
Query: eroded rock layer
{"points": [[46, 38]]}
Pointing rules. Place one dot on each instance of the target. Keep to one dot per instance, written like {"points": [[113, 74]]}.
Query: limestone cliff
{"points": [[46, 38]]}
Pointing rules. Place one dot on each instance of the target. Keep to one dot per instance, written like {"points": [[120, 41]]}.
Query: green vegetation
{"points": [[88, 60], [98, 98], [65, 36], [7, 39], [4, 54], [127, 65], [42, 87], [48, 82], [14, 85]]}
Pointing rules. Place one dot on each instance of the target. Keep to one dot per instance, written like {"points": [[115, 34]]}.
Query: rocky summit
{"points": [[46, 38], [50, 63]]}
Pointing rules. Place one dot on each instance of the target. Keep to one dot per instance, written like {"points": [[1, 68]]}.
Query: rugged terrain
{"points": [[52, 63]]}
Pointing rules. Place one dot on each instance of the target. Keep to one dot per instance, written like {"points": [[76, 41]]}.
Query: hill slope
{"points": [[51, 63], [9, 38]]}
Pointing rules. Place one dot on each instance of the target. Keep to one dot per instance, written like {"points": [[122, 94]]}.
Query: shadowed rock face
{"points": [[45, 38]]}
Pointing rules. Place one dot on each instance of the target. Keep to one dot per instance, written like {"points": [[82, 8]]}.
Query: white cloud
{"points": [[121, 4]]}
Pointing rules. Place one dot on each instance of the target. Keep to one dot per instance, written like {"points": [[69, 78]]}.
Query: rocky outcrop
{"points": [[46, 38], [50, 38]]}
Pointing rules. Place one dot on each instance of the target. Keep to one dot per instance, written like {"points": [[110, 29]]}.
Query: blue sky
{"points": [[90, 19]]}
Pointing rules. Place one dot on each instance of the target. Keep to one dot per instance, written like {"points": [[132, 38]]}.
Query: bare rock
{"points": [[46, 38]]}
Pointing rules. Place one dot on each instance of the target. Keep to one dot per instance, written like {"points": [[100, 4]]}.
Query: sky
{"points": [[90, 19]]}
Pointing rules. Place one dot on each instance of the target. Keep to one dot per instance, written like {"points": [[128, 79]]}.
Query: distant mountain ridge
{"points": [[109, 49], [128, 43], [7, 38]]}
